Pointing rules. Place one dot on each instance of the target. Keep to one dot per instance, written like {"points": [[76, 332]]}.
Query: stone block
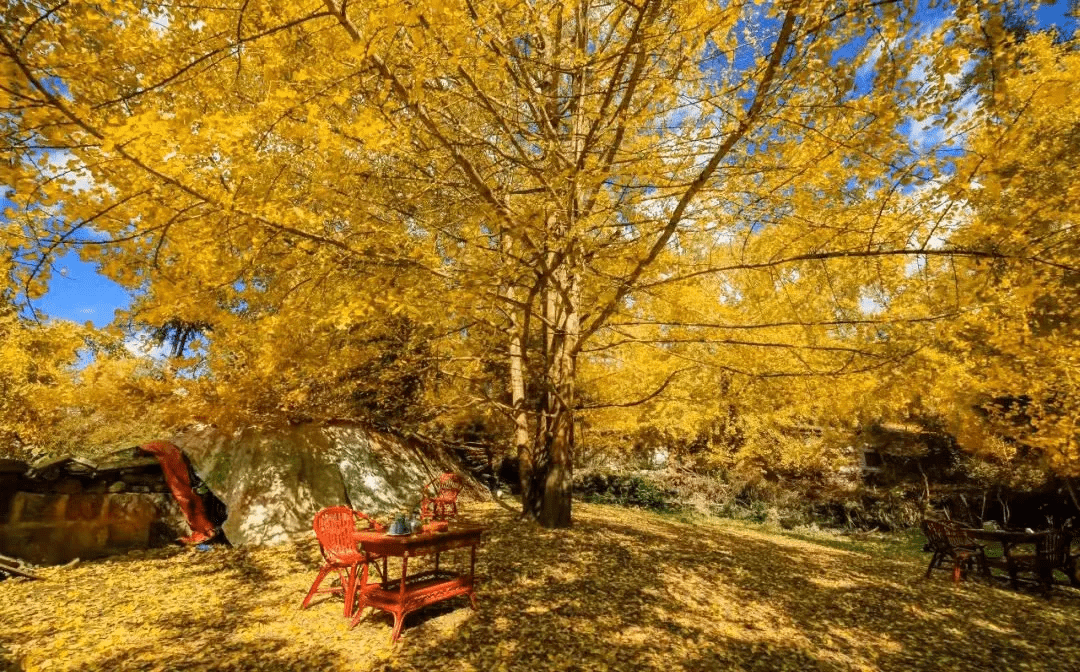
{"points": [[125, 507], [14, 540], [30, 542], [86, 540], [84, 507], [38, 508], [68, 486], [7, 502], [128, 535]]}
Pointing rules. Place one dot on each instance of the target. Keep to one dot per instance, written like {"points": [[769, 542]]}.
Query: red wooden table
{"points": [[409, 593]]}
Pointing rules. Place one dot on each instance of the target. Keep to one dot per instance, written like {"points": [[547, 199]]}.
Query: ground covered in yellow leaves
{"points": [[623, 589]]}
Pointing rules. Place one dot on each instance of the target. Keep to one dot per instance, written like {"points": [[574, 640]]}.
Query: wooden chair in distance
{"points": [[440, 497], [335, 528], [947, 540], [1051, 552]]}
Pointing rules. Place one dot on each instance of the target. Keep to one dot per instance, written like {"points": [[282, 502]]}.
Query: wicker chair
{"points": [[335, 528], [442, 505], [1051, 552], [948, 540]]}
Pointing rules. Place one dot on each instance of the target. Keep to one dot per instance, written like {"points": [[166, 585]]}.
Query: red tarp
{"points": [[176, 475]]}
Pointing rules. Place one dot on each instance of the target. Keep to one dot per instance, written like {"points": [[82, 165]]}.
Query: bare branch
{"points": [[652, 395]]}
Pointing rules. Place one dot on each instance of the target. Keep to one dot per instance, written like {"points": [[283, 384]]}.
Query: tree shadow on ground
{"points": [[620, 590], [655, 593]]}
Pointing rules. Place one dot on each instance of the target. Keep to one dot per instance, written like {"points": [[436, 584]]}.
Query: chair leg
{"points": [[350, 589], [933, 561], [1070, 569], [315, 586], [1014, 582], [358, 597]]}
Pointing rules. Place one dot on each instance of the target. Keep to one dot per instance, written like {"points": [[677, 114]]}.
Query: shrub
{"points": [[634, 490]]}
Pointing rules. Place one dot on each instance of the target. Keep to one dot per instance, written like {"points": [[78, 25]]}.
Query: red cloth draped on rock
{"points": [[176, 475]]}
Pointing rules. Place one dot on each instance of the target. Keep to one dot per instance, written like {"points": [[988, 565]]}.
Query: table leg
{"points": [[472, 577], [1006, 547], [436, 562], [399, 616], [399, 620]]}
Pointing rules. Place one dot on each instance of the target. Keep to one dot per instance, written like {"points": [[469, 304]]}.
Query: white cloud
{"points": [[65, 165], [926, 133], [159, 22], [870, 305], [141, 346], [869, 66]]}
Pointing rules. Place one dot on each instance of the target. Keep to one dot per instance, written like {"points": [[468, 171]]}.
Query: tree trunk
{"points": [[516, 355], [520, 413], [546, 497], [559, 480]]}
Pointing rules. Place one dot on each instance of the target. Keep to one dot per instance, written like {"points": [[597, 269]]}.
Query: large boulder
{"points": [[274, 480]]}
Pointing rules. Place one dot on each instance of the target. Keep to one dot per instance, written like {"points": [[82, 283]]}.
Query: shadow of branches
{"points": [[622, 589]]}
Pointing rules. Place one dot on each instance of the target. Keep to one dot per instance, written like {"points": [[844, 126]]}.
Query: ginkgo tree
{"points": [[34, 378], [1018, 346], [655, 194]]}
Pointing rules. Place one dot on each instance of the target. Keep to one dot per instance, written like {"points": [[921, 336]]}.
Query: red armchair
{"points": [[335, 528], [440, 497]]}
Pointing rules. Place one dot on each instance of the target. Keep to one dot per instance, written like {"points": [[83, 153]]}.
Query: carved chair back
{"points": [[937, 534], [449, 485], [957, 536], [335, 528], [1052, 551]]}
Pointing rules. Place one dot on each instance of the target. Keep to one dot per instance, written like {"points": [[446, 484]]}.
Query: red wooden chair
{"points": [[440, 497], [335, 528]]}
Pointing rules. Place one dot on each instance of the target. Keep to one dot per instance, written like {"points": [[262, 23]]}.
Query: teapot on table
{"points": [[400, 525]]}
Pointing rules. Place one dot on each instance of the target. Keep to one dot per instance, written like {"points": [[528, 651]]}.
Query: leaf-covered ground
{"points": [[623, 589]]}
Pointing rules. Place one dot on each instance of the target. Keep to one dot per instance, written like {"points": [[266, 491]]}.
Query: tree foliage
{"points": [[631, 213]]}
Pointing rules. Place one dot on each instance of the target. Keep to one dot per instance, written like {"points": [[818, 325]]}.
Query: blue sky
{"points": [[78, 293]]}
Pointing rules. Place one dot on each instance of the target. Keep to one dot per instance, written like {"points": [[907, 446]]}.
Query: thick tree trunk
{"points": [[547, 498], [548, 487], [558, 483]]}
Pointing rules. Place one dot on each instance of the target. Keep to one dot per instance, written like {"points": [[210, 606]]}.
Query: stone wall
{"points": [[54, 528]]}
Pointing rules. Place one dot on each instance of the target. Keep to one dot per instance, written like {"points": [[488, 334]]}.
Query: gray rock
{"points": [[273, 481]]}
